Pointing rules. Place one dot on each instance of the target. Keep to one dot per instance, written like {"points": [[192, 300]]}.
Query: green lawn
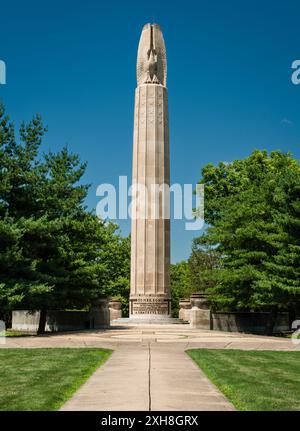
{"points": [[253, 380], [11, 333], [43, 379]]}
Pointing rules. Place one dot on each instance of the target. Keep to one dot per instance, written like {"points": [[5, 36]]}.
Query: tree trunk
{"points": [[271, 322], [42, 321]]}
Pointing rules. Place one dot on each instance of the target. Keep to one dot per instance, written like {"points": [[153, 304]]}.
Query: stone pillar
{"points": [[200, 314], [99, 314], [115, 309], [150, 228], [185, 309]]}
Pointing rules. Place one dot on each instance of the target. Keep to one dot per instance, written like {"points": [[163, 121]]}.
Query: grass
{"points": [[253, 380], [290, 336], [44, 379], [12, 333]]}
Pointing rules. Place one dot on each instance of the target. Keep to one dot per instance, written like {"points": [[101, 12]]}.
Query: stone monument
{"points": [[150, 228]]}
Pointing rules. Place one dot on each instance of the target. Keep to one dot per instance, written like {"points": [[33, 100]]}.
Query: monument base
{"points": [[149, 306], [144, 319]]}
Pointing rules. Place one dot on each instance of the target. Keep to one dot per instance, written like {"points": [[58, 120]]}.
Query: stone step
{"points": [[148, 321]]}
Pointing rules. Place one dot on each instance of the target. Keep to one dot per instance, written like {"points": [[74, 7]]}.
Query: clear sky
{"points": [[229, 81]]}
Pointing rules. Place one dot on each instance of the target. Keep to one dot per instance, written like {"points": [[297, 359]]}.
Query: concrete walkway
{"points": [[148, 377], [149, 369]]}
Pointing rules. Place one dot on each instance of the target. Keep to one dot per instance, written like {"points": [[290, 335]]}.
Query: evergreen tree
{"points": [[252, 207], [54, 253]]}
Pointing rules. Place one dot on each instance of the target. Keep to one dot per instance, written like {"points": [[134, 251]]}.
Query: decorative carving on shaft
{"points": [[150, 232], [151, 59]]}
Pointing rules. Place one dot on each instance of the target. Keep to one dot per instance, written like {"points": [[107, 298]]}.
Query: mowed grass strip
{"points": [[44, 379], [253, 380]]}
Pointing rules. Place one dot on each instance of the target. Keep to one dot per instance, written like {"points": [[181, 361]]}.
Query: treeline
{"points": [[249, 256], [54, 253]]}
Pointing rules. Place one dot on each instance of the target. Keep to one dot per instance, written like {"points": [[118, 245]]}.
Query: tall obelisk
{"points": [[150, 226]]}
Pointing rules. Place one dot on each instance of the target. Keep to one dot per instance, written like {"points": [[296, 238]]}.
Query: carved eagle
{"points": [[151, 59]]}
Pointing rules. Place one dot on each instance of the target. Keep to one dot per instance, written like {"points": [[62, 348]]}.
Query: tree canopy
{"points": [[53, 252], [252, 207], [180, 284]]}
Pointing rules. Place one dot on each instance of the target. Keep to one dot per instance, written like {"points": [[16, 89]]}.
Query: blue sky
{"points": [[229, 81]]}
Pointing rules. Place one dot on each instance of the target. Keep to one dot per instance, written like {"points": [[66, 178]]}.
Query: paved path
{"points": [[148, 377], [149, 369]]}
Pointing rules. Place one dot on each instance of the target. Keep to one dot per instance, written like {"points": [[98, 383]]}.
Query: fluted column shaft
{"points": [[150, 233]]}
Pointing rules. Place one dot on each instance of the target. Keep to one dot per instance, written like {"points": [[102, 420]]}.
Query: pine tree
{"points": [[252, 207], [54, 253]]}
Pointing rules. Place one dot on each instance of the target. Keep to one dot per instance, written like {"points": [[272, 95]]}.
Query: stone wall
{"points": [[56, 320], [196, 311], [250, 322], [25, 320]]}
